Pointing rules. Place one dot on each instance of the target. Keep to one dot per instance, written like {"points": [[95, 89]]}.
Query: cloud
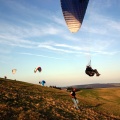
{"points": [[98, 48], [41, 56], [77, 49], [29, 31], [101, 24], [58, 20]]}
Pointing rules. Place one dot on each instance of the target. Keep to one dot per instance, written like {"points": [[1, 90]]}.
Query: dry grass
{"points": [[24, 101], [106, 99]]}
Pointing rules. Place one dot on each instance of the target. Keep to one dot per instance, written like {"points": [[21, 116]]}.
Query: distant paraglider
{"points": [[42, 82], [73, 12], [5, 77], [37, 69], [14, 71]]}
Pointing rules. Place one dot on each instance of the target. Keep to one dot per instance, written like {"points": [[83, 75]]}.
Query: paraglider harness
{"points": [[73, 94], [89, 71]]}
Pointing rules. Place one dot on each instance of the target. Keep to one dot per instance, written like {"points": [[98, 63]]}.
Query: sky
{"points": [[34, 33]]}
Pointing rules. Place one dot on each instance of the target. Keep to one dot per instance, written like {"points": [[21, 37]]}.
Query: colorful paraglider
{"points": [[37, 69], [14, 71], [42, 82], [74, 12]]}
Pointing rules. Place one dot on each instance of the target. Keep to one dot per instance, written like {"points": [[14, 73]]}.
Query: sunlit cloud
{"points": [[70, 37], [98, 48], [31, 31], [75, 49], [58, 20], [101, 25]]}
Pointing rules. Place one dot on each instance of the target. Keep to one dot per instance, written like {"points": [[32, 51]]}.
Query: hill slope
{"points": [[25, 101], [97, 85]]}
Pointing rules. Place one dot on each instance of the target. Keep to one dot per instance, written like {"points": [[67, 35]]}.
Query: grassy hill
{"points": [[96, 85], [25, 101]]}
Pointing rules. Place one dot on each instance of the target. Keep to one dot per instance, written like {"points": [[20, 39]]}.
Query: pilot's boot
{"points": [[97, 74]]}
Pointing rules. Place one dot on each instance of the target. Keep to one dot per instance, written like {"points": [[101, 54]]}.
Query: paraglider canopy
{"points": [[14, 71], [37, 69], [73, 12]]}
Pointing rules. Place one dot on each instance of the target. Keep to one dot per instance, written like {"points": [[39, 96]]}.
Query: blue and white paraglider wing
{"points": [[74, 12]]}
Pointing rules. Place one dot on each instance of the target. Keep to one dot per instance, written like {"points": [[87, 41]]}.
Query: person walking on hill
{"points": [[74, 99]]}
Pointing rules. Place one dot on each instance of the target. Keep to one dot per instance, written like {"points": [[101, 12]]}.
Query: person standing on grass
{"points": [[74, 99]]}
